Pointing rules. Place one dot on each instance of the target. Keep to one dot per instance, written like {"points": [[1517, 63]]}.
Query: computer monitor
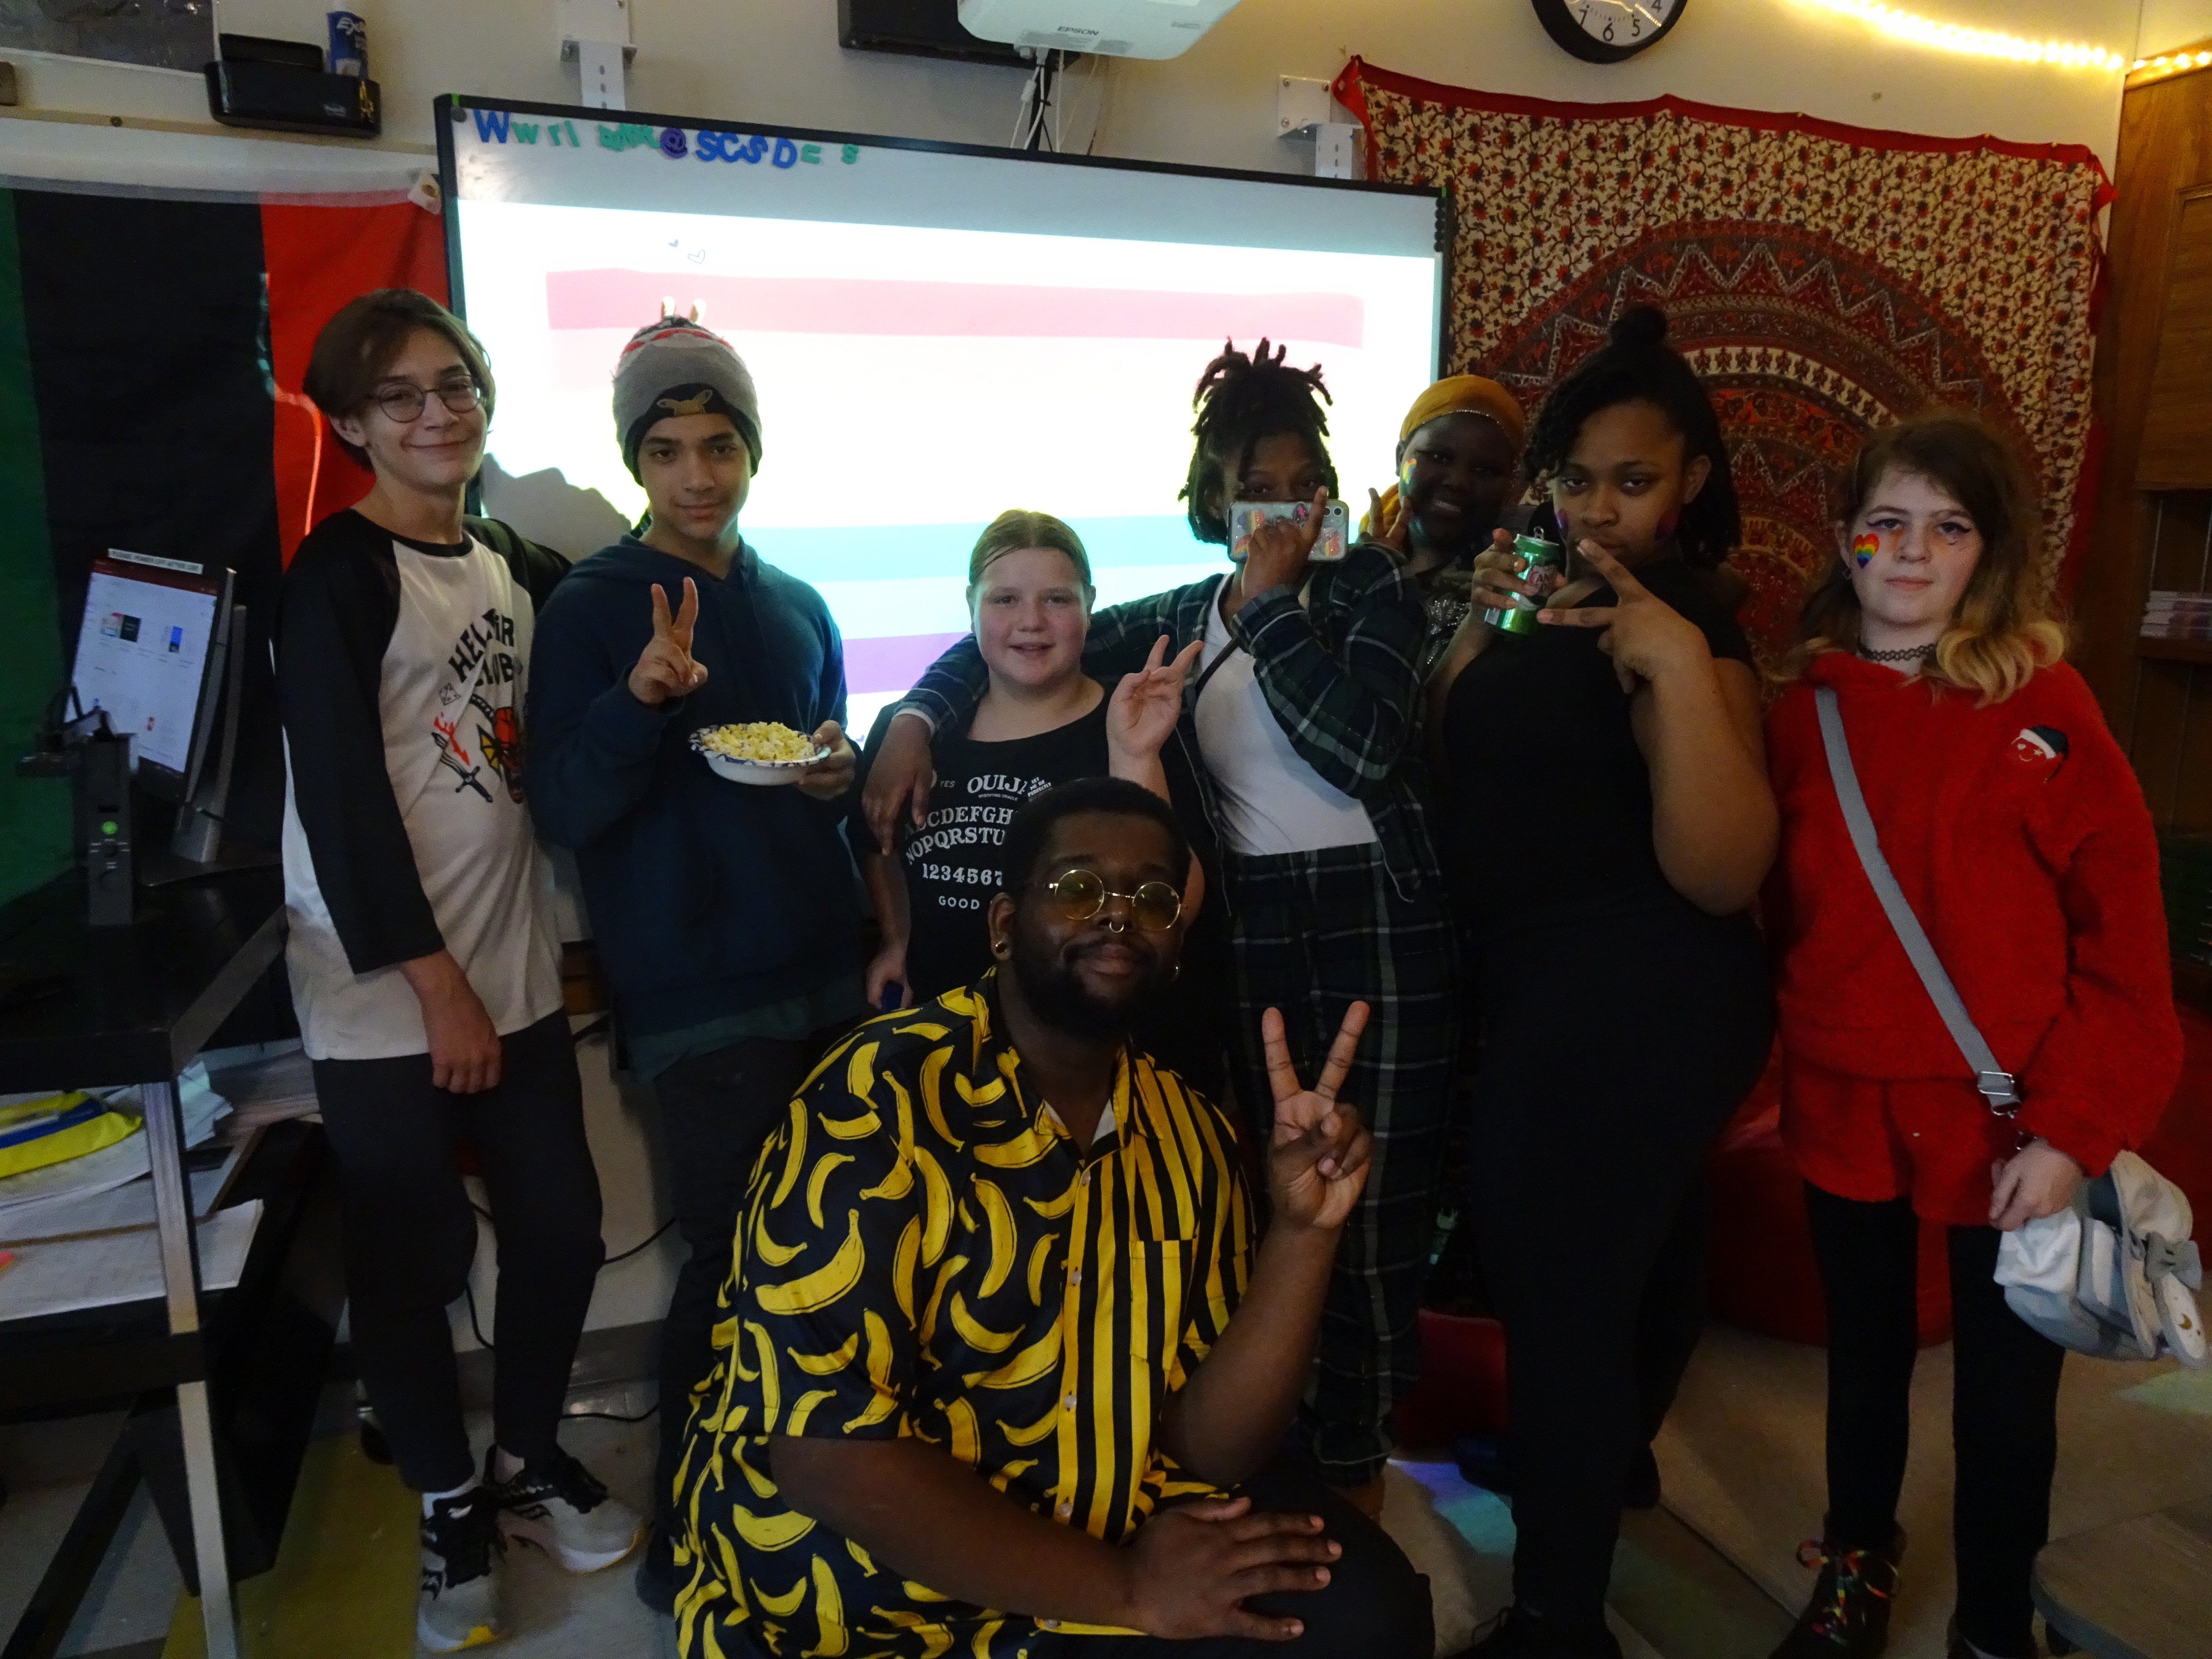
{"points": [[147, 654]]}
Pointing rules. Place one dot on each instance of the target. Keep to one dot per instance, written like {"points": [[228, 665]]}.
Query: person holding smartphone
{"points": [[725, 914], [1042, 722], [1298, 735]]}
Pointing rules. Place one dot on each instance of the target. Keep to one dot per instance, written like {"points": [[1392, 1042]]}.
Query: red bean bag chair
{"points": [[1461, 1387]]}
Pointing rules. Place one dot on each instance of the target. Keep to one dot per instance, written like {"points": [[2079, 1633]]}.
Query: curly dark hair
{"points": [[1241, 400], [1637, 365]]}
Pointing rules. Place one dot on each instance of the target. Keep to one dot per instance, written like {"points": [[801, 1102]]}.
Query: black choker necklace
{"points": [[1915, 653]]}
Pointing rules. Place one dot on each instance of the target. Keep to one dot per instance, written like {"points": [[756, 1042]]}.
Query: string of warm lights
{"points": [[1980, 43], [2169, 62]]}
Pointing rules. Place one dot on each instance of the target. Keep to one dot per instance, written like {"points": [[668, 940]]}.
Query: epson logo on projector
{"points": [[1113, 28]]}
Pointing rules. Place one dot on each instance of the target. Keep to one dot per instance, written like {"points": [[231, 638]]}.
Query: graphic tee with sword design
{"points": [[402, 670]]}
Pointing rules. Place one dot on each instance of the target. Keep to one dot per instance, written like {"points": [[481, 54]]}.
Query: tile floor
{"points": [[1711, 1576]]}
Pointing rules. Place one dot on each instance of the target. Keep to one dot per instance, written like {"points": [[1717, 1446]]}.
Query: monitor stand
{"points": [[196, 848]]}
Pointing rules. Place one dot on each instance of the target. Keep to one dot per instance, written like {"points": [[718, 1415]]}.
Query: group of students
{"points": [[984, 1340]]}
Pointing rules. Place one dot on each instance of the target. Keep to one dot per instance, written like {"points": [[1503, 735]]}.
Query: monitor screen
{"points": [[142, 655], [937, 334]]}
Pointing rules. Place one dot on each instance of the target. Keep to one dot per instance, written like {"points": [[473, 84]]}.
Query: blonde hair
{"points": [[2001, 632], [1016, 529]]}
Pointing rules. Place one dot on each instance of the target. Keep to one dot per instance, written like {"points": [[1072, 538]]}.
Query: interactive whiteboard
{"points": [[938, 333]]}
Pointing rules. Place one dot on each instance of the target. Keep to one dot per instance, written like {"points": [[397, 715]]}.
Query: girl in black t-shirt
{"points": [[1044, 721], [1609, 822]]}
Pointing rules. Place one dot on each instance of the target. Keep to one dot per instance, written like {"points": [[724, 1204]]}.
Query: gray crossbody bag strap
{"points": [[1997, 1086]]}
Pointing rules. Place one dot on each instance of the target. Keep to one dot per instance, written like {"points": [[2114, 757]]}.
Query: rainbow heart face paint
{"points": [[1863, 548]]}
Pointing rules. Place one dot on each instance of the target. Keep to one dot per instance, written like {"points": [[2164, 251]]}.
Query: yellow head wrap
{"points": [[1456, 394]]}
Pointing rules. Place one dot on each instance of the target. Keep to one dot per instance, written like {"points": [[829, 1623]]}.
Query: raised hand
{"points": [[1146, 704], [1318, 1160], [1190, 1568], [665, 669], [1393, 529], [832, 776], [1277, 554], [1644, 635]]}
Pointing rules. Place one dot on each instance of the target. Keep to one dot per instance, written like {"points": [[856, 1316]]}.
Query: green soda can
{"points": [[1546, 569]]}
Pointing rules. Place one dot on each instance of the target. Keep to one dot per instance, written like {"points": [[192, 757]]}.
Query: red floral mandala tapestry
{"points": [[1822, 278]]}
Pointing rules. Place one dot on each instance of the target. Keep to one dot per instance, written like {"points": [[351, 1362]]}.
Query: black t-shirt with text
{"points": [[952, 862]]}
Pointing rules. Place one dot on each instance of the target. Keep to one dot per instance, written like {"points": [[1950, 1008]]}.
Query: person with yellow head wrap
{"points": [[1459, 447]]}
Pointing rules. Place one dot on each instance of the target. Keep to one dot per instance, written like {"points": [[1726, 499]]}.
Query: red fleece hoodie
{"points": [[2019, 836]]}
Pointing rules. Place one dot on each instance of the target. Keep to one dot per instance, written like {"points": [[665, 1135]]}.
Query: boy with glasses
{"points": [[727, 917], [422, 955]]}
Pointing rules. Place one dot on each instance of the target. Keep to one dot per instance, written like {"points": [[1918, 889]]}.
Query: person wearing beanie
{"points": [[1459, 447], [727, 917]]}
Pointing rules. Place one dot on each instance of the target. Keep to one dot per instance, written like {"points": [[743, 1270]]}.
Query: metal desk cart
{"points": [[134, 1006]]}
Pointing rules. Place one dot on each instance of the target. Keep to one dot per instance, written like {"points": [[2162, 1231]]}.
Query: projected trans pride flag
{"points": [[917, 382]]}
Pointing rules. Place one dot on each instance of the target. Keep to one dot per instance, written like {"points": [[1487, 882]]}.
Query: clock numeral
{"points": [[1607, 35], [1635, 26]]}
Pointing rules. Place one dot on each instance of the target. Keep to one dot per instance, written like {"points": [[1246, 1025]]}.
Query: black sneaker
{"points": [[460, 1603], [557, 1504], [1848, 1617]]}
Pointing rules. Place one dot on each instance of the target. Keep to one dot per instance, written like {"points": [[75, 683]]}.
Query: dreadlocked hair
{"points": [[1240, 400], [1637, 365]]}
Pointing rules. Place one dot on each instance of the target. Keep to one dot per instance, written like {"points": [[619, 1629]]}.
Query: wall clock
{"points": [[1607, 31]]}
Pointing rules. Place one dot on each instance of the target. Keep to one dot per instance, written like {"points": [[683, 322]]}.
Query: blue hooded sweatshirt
{"points": [[709, 898]]}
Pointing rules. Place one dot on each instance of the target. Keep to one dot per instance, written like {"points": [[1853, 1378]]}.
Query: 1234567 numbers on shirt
{"points": [[960, 875]]}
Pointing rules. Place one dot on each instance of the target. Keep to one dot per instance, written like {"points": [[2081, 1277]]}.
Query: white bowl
{"points": [[760, 771]]}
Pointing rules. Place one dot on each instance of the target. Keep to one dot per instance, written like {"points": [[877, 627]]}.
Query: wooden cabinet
{"points": [[2176, 451]]}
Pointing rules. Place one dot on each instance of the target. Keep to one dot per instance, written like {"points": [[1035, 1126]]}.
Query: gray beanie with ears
{"points": [[675, 367]]}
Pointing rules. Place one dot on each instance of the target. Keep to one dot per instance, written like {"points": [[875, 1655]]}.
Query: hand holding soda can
{"points": [[1542, 568]]}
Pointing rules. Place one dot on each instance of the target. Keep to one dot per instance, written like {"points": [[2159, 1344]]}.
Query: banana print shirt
{"points": [[926, 1251]]}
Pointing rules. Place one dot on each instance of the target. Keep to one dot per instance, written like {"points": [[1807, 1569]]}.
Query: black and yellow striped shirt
{"points": [[926, 1251]]}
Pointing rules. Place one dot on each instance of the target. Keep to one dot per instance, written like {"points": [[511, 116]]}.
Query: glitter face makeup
{"points": [[1863, 548]]}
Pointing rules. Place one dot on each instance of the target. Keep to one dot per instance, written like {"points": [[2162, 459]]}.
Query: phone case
{"points": [[1334, 543]]}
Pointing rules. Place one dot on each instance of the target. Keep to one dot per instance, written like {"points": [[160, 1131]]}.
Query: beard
{"points": [[1057, 997]]}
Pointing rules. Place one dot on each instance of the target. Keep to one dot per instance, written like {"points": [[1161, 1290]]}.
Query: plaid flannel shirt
{"points": [[1342, 674]]}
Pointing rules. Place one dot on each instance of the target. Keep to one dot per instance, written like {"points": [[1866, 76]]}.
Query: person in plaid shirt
{"points": [[1299, 749]]}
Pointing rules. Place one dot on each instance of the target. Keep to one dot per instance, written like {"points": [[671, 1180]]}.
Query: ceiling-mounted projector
{"points": [[1114, 28]]}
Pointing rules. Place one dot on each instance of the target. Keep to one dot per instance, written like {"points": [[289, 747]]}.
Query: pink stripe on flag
{"points": [[840, 305], [892, 662]]}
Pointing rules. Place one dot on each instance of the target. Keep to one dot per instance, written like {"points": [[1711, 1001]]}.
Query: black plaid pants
{"points": [[1310, 933]]}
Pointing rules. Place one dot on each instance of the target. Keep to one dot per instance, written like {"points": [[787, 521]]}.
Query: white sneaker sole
{"points": [[539, 1535], [478, 1637]]}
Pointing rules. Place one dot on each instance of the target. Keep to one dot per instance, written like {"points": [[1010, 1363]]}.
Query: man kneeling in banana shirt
{"points": [[1001, 1370]]}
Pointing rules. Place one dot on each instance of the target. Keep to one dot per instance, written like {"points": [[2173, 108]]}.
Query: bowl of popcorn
{"points": [[757, 751]]}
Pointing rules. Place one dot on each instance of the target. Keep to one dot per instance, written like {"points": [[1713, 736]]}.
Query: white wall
{"points": [[777, 62], [2169, 23]]}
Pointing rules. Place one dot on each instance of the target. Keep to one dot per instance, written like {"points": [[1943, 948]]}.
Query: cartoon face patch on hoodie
{"points": [[2043, 747]]}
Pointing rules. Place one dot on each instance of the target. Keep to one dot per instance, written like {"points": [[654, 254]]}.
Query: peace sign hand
{"points": [[1646, 637], [1146, 704], [665, 669], [1317, 1161]]}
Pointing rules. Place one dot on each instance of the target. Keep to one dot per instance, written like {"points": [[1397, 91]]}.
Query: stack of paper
{"points": [[126, 1160], [2173, 614]]}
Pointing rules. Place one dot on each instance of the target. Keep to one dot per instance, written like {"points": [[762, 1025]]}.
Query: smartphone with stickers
{"points": [[1334, 543]]}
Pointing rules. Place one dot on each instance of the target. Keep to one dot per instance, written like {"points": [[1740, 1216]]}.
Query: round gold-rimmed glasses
{"points": [[1082, 894]]}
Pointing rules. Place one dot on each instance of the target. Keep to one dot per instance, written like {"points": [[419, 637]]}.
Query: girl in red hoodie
{"points": [[2020, 837]]}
